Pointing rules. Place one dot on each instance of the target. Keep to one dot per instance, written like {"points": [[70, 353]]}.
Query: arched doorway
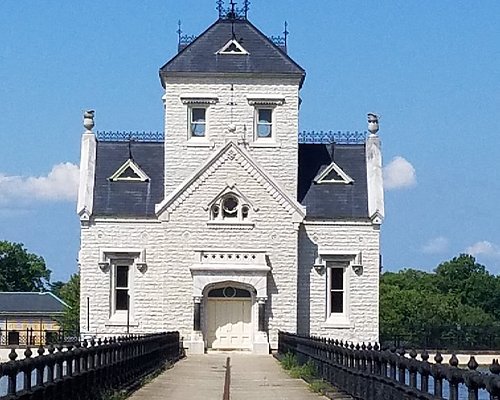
{"points": [[229, 318]]}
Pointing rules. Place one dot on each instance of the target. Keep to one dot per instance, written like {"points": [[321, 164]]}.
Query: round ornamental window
{"points": [[230, 205], [229, 291]]}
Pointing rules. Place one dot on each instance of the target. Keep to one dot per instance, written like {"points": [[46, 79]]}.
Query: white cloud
{"points": [[436, 245], [399, 173], [61, 184], [484, 248]]}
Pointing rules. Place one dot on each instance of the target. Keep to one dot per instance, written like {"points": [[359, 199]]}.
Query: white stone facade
{"points": [[276, 253], [277, 157], [342, 237]]}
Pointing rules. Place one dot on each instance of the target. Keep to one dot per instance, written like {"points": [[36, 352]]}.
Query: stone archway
{"points": [[229, 316], [246, 270]]}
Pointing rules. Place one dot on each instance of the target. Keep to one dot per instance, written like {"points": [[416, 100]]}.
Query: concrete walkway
{"points": [[202, 378]]}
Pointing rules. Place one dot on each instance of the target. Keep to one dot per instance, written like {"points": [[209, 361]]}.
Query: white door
{"points": [[229, 324]]}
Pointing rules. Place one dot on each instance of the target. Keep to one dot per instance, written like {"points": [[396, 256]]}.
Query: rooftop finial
{"points": [[246, 6], [220, 8], [179, 31], [373, 123], [285, 33], [233, 12], [88, 121]]}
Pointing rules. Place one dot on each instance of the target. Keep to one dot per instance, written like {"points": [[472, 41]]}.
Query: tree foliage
{"points": [[69, 292], [459, 299], [21, 271]]}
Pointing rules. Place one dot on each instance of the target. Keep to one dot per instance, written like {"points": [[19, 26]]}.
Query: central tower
{"points": [[232, 83]]}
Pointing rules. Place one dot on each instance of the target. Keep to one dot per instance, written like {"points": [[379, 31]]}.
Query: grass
{"points": [[307, 372]]}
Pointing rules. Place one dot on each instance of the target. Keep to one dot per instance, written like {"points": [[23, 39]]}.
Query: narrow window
{"points": [[264, 123], [121, 287], [215, 211], [245, 210], [336, 294], [197, 121]]}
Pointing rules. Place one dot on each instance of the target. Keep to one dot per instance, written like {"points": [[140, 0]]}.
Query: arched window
{"points": [[230, 207]]}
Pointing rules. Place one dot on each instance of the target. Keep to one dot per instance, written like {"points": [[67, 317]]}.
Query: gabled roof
{"points": [[124, 198], [333, 200], [232, 150], [202, 55], [30, 303]]}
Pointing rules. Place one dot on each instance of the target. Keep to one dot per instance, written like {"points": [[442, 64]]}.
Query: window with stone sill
{"points": [[230, 208], [197, 122], [264, 123], [337, 292], [121, 289]]}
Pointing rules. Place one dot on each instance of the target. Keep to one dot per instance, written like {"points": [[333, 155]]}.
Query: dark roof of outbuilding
{"points": [[333, 200], [30, 302], [201, 56], [128, 198]]}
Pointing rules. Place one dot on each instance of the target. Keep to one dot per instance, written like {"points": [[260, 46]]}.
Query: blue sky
{"points": [[429, 68]]}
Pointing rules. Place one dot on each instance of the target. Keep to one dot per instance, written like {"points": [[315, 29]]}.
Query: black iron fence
{"points": [[36, 337], [87, 370], [366, 372]]}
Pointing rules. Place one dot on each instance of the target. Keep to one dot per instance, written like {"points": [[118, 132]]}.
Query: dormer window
{"points": [[129, 171], [233, 47], [197, 121]]}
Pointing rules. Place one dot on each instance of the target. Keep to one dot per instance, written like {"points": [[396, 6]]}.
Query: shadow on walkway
{"points": [[202, 378]]}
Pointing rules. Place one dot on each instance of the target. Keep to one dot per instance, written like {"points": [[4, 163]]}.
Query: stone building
{"points": [[229, 227]]}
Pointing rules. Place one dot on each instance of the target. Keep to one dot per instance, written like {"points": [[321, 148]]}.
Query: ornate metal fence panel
{"points": [[367, 372], [124, 136], [87, 370], [327, 137]]}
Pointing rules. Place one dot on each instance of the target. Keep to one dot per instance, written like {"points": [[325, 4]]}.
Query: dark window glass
{"points": [[215, 211], [129, 173], [230, 207], [264, 123], [122, 276], [198, 120], [337, 278], [121, 299], [337, 299], [244, 212], [229, 292]]}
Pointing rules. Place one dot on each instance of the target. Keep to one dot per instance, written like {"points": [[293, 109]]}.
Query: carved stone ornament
{"points": [[104, 266], [142, 267], [88, 120], [373, 123], [358, 269]]}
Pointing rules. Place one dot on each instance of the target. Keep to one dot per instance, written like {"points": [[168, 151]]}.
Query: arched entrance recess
{"points": [[229, 315], [240, 269]]}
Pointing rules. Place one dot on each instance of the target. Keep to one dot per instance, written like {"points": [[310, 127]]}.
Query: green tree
{"points": [[459, 301], [70, 294], [21, 271]]}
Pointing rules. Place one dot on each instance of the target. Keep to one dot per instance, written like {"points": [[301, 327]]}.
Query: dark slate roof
{"points": [[122, 198], [333, 200], [30, 302], [200, 56]]}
